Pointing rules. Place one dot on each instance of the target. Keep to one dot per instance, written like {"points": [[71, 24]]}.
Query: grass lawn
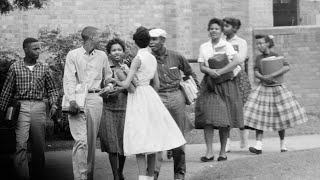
{"points": [[291, 165], [196, 136]]}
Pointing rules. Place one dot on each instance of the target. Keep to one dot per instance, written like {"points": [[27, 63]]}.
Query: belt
{"points": [[94, 91]]}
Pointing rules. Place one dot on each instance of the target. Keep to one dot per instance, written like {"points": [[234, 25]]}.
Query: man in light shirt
{"points": [[88, 66]]}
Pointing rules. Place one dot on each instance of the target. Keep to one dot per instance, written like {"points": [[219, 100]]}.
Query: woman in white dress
{"points": [[149, 127]]}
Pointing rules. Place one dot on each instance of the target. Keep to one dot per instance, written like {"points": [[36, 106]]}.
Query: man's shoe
{"points": [[254, 150]]}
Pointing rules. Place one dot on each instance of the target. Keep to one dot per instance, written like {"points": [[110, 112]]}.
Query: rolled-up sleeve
{"points": [[107, 70], [69, 78], [243, 51]]}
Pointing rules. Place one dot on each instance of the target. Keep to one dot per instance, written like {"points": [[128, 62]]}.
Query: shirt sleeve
{"points": [[52, 89], [107, 70], [7, 90], [201, 57], [243, 51], [184, 66], [69, 78]]}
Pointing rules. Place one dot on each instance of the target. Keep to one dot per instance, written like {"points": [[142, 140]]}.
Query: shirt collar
{"points": [[220, 44], [38, 63], [164, 53], [83, 51]]}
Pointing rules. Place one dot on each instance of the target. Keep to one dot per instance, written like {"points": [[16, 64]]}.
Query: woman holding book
{"points": [[231, 27], [271, 107], [149, 127], [219, 104], [114, 111]]}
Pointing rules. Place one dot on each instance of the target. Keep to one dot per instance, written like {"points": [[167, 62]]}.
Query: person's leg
{"points": [[208, 137], [142, 164], [257, 149], [158, 162], [93, 117], [22, 136], [244, 133], [151, 158], [113, 158], [223, 135], [228, 144], [179, 162], [78, 129], [122, 160], [283, 146], [37, 137]]}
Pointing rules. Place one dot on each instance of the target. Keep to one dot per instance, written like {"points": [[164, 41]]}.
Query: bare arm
{"points": [[211, 72], [156, 82], [281, 71], [136, 62]]}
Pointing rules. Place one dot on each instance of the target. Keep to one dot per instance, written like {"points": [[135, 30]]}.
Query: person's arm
{"points": [[283, 70], [243, 51], [233, 55], [205, 70], [136, 63], [185, 67], [107, 71], [52, 90], [8, 89]]}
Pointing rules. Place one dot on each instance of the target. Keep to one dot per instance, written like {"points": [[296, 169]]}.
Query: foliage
{"points": [[6, 5]]}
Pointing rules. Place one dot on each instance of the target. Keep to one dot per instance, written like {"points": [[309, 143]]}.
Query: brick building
{"points": [[186, 24]]}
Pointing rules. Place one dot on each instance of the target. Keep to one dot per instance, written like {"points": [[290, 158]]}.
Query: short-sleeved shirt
{"points": [[207, 50], [241, 46]]}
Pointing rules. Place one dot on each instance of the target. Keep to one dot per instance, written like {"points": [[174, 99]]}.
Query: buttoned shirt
{"points": [[84, 68], [24, 84], [241, 46], [169, 65]]}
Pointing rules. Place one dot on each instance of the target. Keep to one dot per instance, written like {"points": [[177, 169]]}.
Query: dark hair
{"points": [[88, 31], [113, 42], [236, 23], [266, 38], [142, 37], [28, 41], [216, 21]]}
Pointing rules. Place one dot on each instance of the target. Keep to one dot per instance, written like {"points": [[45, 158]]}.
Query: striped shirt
{"points": [[169, 65], [24, 84]]}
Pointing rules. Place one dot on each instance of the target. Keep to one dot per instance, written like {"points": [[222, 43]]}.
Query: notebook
{"points": [[272, 64]]}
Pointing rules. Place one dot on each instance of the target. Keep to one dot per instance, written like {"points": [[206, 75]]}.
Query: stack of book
{"points": [[218, 61], [272, 64], [189, 89], [81, 96]]}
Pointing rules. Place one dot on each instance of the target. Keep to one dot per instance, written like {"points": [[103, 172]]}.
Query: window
{"points": [[285, 12]]}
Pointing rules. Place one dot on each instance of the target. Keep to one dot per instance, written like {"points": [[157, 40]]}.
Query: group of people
{"points": [[151, 119]]}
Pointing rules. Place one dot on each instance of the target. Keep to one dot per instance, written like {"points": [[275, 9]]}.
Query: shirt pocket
{"points": [[174, 72]]}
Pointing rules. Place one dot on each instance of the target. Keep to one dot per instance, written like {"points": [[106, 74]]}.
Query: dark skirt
{"points": [[219, 105], [111, 130]]}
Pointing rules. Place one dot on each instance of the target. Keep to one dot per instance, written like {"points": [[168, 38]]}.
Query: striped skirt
{"points": [[273, 109], [219, 105]]}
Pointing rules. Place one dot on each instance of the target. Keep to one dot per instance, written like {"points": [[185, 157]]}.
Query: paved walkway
{"points": [[58, 163]]}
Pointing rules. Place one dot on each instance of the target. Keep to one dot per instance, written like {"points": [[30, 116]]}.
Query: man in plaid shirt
{"points": [[27, 82]]}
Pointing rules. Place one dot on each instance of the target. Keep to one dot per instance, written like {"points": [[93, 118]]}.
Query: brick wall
{"points": [[309, 12], [300, 45]]}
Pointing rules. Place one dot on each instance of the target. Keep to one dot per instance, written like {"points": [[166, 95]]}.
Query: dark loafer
{"points": [[284, 150], [205, 159], [254, 150], [222, 158]]}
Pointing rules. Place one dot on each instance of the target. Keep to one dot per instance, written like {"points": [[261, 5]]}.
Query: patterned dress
{"points": [[112, 121], [272, 107]]}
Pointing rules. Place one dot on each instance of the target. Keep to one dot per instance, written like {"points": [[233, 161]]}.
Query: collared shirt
{"points": [[207, 50], [24, 84], [84, 68], [241, 46], [169, 65]]}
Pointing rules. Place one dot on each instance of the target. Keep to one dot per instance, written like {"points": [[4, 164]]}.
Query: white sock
{"points": [[258, 145], [283, 145]]}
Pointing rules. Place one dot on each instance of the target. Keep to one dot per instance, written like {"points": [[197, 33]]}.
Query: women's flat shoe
{"points": [[254, 150], [284, 150], [205, 159], [222, 158]]}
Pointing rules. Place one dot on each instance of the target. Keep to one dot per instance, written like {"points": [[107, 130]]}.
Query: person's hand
{"points": [[53, 110], [214, 73], [111, 80], [116, 91], [74, 108], [269, 79]]}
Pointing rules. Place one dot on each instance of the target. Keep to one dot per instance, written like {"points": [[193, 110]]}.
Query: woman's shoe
{"points": [[284, 150], [205, 159], [254, 150], [222, 158]]}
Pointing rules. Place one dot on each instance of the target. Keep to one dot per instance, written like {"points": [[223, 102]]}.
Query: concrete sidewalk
{"points": [[58, 163]]}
